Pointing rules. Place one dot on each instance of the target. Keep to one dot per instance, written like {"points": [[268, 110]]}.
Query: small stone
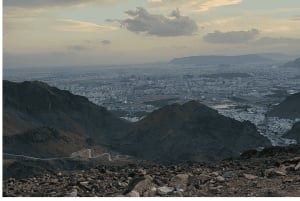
{"points": [[215, 174], [140, 184], [59, 174], [297, 166], [250, 176], [142, 171], [150, 193], [227, 174], [122, 184], [204, 178], [54, 181], [220, 178], [274, 172], [164, 190], [73, 193], [179, 181], [215, 189], [84, 183], [133, 194]]}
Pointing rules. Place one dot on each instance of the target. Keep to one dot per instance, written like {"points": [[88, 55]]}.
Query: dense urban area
{"points": [[243, 92]]}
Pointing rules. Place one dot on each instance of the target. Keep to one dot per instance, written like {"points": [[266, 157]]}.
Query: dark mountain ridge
{"points": [[38, 104], [188, 132], [294, 133], [289, 108]]}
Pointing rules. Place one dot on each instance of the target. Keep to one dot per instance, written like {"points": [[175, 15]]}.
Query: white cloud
{"points": [[141, 21], [81, 26], [56, 3], [231, 36], [193, 5], [106, 42], [279, 40]]}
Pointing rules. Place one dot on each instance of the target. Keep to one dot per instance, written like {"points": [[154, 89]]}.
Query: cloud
{"points": [[81, 26], [77, 48], [192, 5], [106, 42], [231, 37], [55, 3], [280, 40], [141, 21], [296, 18]]}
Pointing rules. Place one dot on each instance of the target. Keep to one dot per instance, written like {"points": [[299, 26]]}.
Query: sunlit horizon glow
{"points": [[95, 32]]}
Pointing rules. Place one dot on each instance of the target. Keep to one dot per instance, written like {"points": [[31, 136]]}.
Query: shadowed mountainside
{"points": [[289, 108], [45, 120], [190, 132], [29, 105], [294, 133]]}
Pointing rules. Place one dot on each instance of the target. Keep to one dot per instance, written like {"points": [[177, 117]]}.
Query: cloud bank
{"points": [[141, 21], [81, 26], [231, 36], [56, 3], [193, 5], [106, 42]]}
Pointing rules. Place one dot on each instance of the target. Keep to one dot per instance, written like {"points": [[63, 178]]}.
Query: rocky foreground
{"points": [[271, 172]]}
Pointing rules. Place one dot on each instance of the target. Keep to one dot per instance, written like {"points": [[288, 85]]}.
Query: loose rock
{"points": [[164, 190], [250, 176], [220, 178], [179, 181], [133, 194]]}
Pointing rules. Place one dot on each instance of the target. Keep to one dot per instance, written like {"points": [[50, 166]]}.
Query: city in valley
{"points": [[241, 91]]}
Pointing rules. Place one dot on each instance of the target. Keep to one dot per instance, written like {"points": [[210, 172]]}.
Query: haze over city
{"points": [[96, 32]]}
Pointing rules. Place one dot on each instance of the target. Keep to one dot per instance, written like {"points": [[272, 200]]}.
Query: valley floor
{"points": [[271, 172]]}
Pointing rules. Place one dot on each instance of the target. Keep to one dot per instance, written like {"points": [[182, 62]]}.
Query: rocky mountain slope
{"points": [[31, 105], [271, 172], [44, 142], [40, 120], [289, 108], [190, 132], [294, 133]]}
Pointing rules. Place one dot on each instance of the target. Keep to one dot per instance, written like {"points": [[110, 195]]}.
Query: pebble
{"points": [[220, 178], [179, 181], [297, 166], [133, 194], [164, 190], [250, 176], [274, 172], [73, 193], [228, 174]]}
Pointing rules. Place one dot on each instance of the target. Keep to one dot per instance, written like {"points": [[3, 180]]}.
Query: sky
{"points": [[39, 33]]}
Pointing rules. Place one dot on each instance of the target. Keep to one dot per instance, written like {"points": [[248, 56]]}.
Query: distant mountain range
{"points": [[289, 108], [41, 120], [218, 60]]}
